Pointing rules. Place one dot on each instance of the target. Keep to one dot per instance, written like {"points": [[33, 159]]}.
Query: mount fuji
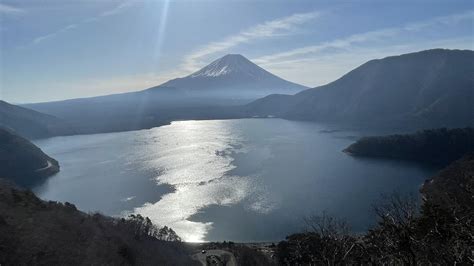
{"points": [[213, 92], [232, 76]]}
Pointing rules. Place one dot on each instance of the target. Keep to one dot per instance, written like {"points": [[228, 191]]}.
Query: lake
{"points": [[238, 180]]}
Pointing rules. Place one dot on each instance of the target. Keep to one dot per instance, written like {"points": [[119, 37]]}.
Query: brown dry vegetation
{"points": [[35, 232]]}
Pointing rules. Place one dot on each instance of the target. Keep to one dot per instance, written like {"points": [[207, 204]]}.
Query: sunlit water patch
{"points": [[194, 158], [240, 180]]}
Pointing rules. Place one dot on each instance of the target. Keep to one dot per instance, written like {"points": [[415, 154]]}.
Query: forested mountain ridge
{"points": [[432, 88]]}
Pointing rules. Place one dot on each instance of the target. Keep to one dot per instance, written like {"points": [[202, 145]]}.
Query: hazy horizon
{"points": [[82, 48]]}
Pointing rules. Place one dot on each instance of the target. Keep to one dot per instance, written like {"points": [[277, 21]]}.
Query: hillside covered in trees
{"points": [[426, 89], [35, 232], [436, 146], [22, 162]]}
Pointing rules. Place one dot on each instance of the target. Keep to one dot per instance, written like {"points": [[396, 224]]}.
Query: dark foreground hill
{"points": [[453, 187], [427, 89], [35, 232], [31, 124], [436, 146], [22, 162]]}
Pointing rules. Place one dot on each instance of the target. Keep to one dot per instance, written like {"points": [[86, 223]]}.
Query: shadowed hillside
{"points": [[35, 232], [23, 162], [32, 124], [433, 88]]}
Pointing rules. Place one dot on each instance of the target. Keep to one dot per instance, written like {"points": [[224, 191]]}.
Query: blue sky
{"points": [[53, 50]]}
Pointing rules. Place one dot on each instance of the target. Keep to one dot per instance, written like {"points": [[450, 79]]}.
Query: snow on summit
{"points": [[231, 64], [233, 76]]}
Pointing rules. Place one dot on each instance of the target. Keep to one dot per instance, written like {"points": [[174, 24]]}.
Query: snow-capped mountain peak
{"points": [[211, 72], [233, 76], [230, 64]]}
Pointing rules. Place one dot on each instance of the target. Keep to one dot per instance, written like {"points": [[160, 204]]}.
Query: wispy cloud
{"points": [[318, 69], [111, 12], [7, 9], [62, 30], [371, 36], [116, 10], [265, 30]]}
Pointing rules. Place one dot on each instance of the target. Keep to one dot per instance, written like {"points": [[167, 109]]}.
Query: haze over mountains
{"points": [[229, 78], [209, 93], [432, 88], [427, 89], [31, 124]]}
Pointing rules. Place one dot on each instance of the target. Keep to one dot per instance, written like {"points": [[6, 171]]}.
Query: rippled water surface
{"points": [[240, 180]]}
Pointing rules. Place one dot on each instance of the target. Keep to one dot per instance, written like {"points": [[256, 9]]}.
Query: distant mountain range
{"points": [[22, 162], [210, 93], [427, 89], [232, 79], [31, 124], [432, 88]]}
